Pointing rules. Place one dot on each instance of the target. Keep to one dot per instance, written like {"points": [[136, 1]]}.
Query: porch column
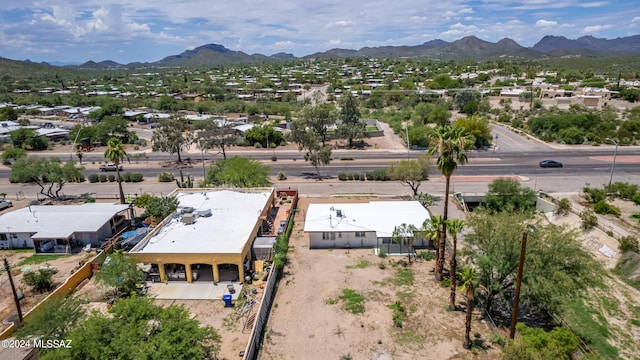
{"points": [[163, 275], [187, 269], [216, 273], [241, 272]]}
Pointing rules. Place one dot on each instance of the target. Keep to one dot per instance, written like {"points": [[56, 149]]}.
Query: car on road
{"points": [[110, 167], [5, 204], [550, 164]]}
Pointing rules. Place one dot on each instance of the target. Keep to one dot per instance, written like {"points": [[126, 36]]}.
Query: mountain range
{"points": [[469, 47]]}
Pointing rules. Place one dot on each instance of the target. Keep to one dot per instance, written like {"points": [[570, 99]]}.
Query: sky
{"points": [[75, 31]]}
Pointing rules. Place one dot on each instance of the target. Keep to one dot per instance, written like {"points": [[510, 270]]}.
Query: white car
{"points": [[5, 204]]}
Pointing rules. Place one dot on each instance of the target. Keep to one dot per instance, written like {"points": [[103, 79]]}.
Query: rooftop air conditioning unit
{"points": [[187, 210], [204, 213], [188, 219]]}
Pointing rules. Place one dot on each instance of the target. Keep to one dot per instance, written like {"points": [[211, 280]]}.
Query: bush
{"points": [[274, 158], [342, 176], [94, 178], [426, 255], [588, 219], [628, 243], [136, 177], [593, 194], [111, 178], [282, 176], [89, 200], [563, 207], [40, 281], [103, 178], [126, 177], [166, 177], [636, 199], [624, 190], [603, 208]]}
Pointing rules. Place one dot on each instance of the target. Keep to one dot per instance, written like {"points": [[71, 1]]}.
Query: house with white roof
{"points": [[209, 237], [52, 228], [355, 225]]}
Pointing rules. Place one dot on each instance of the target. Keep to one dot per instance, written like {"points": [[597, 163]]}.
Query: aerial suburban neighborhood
{"points": [[344, 205]]}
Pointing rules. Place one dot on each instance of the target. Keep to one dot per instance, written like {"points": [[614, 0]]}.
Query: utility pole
{"points": [[15, 295], [516, 300], [406, 129]]}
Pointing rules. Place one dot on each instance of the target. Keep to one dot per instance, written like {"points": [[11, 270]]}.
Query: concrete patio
{"points": [[178, 290]]}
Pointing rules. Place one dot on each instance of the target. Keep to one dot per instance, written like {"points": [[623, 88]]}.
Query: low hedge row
{"points": [[126, 177], [375, 175]]}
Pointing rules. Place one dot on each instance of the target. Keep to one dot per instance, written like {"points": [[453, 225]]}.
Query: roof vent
{"points": [[188, 219], [339, 213], [204, 213]]}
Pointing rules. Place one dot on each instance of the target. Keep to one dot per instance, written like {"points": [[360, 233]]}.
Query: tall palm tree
{"points": [[468, 278], [450, 143], [115, 153], [455, 227]]}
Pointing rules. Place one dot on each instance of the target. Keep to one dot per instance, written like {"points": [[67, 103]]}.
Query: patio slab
{"points": [[174, 290]]}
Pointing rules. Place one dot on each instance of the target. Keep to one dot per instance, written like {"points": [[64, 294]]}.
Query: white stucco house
{"points": [[51, 228], [356, 225]]}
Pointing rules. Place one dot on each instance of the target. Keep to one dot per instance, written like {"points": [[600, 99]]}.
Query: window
{"points": [[386, 240], [359, 234], [328, 236]]}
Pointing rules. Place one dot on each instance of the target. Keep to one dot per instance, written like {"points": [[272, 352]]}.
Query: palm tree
{"points": [[433, 227], [115, 153], [455, 226], [468, 278], [450, 143]]}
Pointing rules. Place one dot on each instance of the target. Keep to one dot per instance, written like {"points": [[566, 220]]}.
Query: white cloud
{"points": [[636, 19], [339, 23], [335, 42], [284, 44], [546, 23], [594, 29]]}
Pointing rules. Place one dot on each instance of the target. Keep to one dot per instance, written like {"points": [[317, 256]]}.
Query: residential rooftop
{"points": [[233, 216], [379, 216]]}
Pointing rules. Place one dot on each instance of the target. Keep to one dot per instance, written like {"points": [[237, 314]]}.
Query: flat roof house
{"points": [[51, 228], [209, 237], [354, 225]]}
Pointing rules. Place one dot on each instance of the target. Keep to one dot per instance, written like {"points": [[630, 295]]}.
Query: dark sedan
{"points": [[550, 164]]}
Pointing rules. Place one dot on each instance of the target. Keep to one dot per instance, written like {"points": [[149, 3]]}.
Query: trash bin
{"points": [[227, 300]]}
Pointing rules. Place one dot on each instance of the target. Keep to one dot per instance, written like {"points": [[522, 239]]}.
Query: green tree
{"points": [[410, 173], [49, 174], [121, 273], [455, 226], [8, 113], [161, 207], [465, 96], [12, 154], [135, 328], [505, 193], [28, 139], [450, 143], [403, 235], [115, 153], [239, 172], [350, 127], [54, 319], [476, 127], [215, 134], [173, 135], [307, 140], [316, 119], [469, 281]]}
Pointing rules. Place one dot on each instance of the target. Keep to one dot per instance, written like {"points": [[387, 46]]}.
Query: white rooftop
{"points": [[379, 216], [234, 214], [58, 221]]}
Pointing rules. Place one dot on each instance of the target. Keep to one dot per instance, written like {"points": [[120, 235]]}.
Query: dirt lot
{"points": [[308, 320]]}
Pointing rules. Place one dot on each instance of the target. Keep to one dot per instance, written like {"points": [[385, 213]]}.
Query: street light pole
{"points": [[613, 164], [204, 172]]}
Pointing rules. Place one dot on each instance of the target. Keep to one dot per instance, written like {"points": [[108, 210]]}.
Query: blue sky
{"points": [[149, 30]]}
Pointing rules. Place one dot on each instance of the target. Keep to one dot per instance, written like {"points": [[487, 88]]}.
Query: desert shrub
{"points": [[136, 177], [111, 178], [624, 190], [94, 178], [604, 208], [426, 255], [89, 200], [166, 177], [588, 219], [342, 176], [40, 281], [628, 243], [282, 176], [563, 207], [126, 177], [594, 194], [103, 178], [377, 175], [636, 199]]}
